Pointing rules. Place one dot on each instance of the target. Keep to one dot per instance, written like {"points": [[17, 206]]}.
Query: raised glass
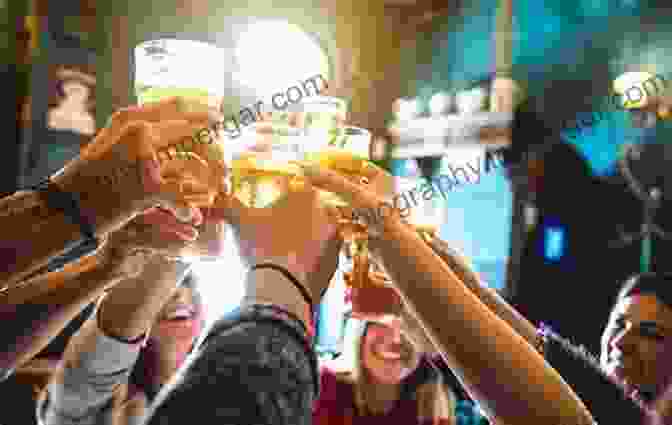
{"points": [[262, 168], [169, 67]]}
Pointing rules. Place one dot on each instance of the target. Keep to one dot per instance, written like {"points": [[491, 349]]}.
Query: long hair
{"points": [[434, 401]]}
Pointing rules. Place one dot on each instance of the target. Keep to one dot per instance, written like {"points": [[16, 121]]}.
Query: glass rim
{"points": [[253, 127], [361, 131], [167, 65]]}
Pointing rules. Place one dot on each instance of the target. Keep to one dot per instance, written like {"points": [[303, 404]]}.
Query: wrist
{"points": [[69, 180], [298, 271], [103, 198], [272, 285]]}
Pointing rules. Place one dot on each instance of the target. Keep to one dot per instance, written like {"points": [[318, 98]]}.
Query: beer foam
{"points": [[174, 63]]}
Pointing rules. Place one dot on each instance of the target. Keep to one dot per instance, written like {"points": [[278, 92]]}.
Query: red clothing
{"points": [[336, 406]]}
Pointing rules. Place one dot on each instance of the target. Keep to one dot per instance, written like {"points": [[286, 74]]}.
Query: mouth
{"points": [[386, 355], [179, 313]]}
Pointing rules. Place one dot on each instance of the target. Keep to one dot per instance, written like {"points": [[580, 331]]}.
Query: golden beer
{"points": [[164, 69], [346, 152], [261, 171]]}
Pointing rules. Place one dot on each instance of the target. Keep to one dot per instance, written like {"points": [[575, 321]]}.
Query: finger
{"points": [[372, 171], [190, 188], [194, 167], [178, 194], [151, 175], [171, 160], [143, 138], [169, 108], [173, 108], [172, 198], [159, 216], [331, 181], [162, 221], [228, 208], [139, 133]]}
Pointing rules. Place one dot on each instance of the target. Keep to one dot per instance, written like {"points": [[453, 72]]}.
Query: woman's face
{"points": [[636, 342], [178, 320], [387, 354]]}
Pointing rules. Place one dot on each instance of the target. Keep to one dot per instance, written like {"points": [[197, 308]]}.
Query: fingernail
{"points": [[152, 173], [197, 217], [189, 234]]}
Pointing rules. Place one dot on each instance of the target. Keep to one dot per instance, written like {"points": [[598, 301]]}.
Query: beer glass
{"points": [[263, 168], [166, 68], [346, 152], [263, 161]]}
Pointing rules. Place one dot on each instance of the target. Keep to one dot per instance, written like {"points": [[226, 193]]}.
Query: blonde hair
{"points": [[434, 399]]}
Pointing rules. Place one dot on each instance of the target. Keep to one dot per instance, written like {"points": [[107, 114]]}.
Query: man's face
{"points": [[635, 342]]}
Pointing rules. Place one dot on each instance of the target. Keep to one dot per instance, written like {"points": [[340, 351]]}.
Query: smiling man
{"points": [[637, 342]]}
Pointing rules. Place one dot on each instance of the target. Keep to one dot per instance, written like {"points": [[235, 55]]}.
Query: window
{"points": [[273, 55]]}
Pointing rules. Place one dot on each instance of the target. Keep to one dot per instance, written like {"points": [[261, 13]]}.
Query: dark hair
{"points": [[529, 130], [606, 399], [658, 284]]}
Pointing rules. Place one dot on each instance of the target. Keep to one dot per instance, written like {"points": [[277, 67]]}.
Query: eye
{"points": [[651, 332], [618, 324]]}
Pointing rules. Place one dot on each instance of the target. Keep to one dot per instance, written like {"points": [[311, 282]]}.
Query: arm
{"points": [[129, 311], [56, 298], [32, 234], [488, 296], [100, 357], [463, 326], [509, 378], [115, 178]]}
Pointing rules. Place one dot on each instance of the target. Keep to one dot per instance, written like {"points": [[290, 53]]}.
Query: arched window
{"points": [[273, 55]]}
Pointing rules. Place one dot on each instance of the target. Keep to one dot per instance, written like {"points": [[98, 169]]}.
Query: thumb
{"points": [[325, 179], [183, 211], [228, 208]]}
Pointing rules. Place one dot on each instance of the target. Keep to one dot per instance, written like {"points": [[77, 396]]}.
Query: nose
{"points": [[624, 341], [181, 296]]}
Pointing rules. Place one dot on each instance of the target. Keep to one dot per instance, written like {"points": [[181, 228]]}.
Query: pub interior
{"points": [[523, 143]]}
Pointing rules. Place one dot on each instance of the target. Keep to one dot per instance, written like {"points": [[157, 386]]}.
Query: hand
{"points": [[119, 175], [297, 232], [368, 195], [158, 232]]}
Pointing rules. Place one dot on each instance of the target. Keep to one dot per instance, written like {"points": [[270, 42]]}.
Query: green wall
{"points": [[566, 53]]}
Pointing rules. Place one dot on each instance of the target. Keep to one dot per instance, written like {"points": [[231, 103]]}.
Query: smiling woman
{"points": [[385, 375]]}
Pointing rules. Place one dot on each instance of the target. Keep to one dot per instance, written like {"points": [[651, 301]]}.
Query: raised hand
{"points": [[297, 232], [119, 174], [158, 232], [368, 194]]}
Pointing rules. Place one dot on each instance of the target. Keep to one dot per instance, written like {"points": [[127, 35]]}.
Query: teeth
{"points": [[390, 356], [180, 313]]}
